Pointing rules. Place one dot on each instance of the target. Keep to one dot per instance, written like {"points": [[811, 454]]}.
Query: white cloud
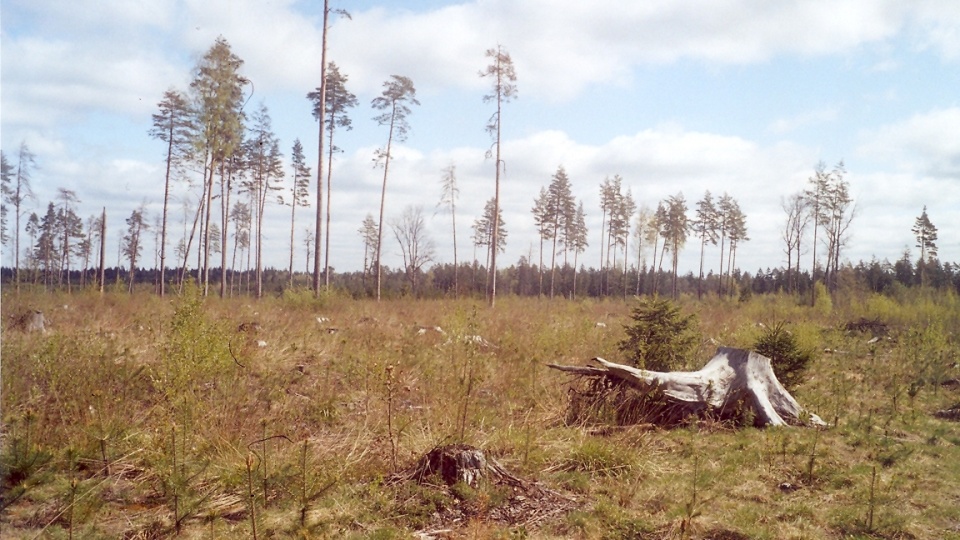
{"points": [[926, 143], [806, 119]]}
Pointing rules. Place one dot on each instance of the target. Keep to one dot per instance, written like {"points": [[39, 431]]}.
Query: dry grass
{"points": [[121, 421]]}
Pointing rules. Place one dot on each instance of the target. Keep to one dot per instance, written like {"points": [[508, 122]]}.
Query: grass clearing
{"points": [[134, 416]]}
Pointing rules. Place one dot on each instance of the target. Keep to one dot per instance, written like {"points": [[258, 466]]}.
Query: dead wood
{"points": [[31, 320], [864, 325], [454, 463], [734, 379], [951, 413], [519, 502]]}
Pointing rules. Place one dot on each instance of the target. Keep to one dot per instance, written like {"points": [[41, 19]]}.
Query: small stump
{"points": [[31, 320], [509, 499], [460, 463]]}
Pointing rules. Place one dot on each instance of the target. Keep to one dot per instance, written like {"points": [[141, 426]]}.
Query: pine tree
{"points": [[504, 89], [577, 240], [724, 214], [266, 168], [131, 246], [299, 192], [483, 229], [705, 226], [6, 192], [45, 249], [370, 235], [449, 192], [70, 227], [218, 92], [926, 235], [561, 208], [337, 101], [675, 231], [174, 125], [398, 94], [737, 233], [541, 218], [17, 191]]}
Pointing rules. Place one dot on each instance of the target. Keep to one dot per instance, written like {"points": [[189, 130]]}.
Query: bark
{"points": [[731, 378]]}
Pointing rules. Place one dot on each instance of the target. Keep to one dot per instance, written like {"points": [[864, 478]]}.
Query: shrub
{"points": [[661, 337], [788, 359]]}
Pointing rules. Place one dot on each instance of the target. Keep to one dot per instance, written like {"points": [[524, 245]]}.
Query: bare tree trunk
{"points": [[321, 119], [166, 199], [326, 248], [293, 215], [383, 198], [103, 249], [206, 231], [193, 232], [224, 226]]}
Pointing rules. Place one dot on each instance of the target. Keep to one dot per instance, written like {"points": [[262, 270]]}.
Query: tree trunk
{"points": [[101, 277], [321, 119], [731, 378]]}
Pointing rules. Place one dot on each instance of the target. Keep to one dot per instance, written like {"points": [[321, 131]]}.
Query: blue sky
{"points": [[736, 96]]}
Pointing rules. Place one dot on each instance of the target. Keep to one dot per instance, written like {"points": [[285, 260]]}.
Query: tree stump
{"points": [[31, 320], [732, 378], [454, 463]]}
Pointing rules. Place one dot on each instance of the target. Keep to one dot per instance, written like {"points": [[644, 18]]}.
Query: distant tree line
{"points": [[227, 154]]}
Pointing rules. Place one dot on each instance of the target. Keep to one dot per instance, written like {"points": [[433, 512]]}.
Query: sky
{"points": [[742, 97]]}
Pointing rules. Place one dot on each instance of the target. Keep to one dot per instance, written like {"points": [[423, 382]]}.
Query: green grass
{"points": [[133, 415]]}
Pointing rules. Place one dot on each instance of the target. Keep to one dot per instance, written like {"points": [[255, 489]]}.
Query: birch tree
{"points": [[798, 218], [416, 248]]}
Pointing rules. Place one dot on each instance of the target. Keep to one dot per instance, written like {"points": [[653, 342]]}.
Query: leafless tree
{"points": [[415, 244]]}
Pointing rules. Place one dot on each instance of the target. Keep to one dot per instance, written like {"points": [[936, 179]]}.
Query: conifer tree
{"points": [[266, 171], [337, 101], [395, 101], [705, 226], [173, 124], [503, 90], [562, 211], [299, 192], [218, 91], [926, 234], [449, 192], [17, 190]]}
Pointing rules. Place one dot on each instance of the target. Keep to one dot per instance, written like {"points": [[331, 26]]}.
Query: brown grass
{"points": [[155, 423]]}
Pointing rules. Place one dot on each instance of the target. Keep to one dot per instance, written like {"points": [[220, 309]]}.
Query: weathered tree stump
{"points": [[733, 378], [31, 320], [454, 463], [517, 502]]}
